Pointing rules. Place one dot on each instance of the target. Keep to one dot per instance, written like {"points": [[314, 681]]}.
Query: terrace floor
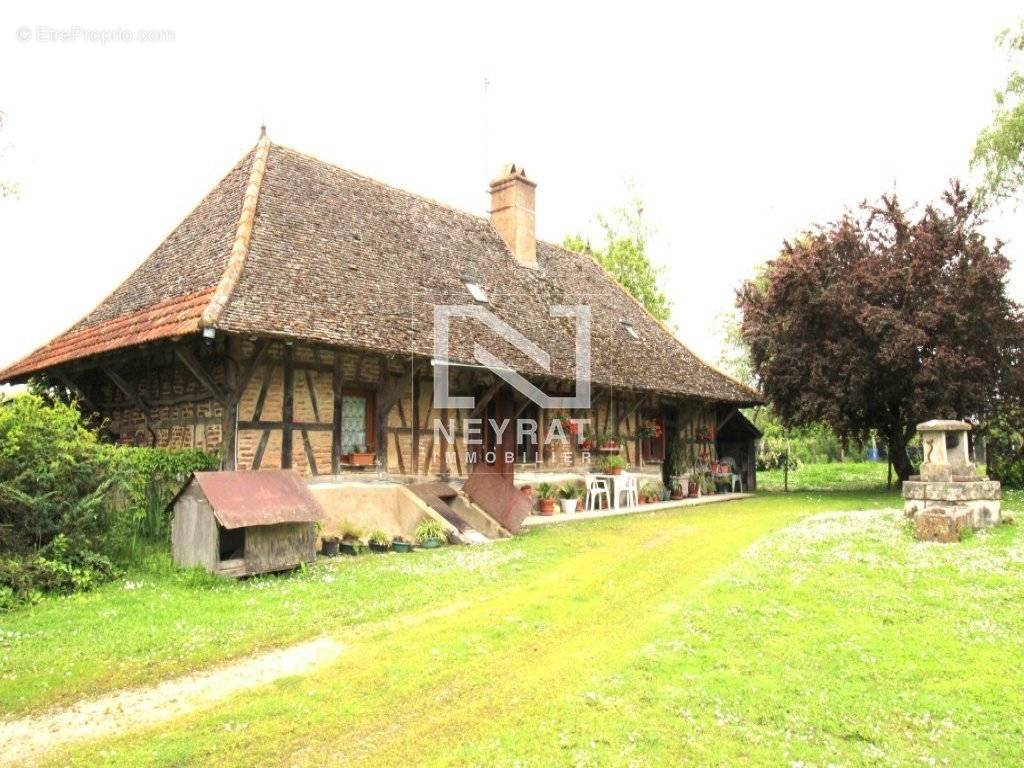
{"points": [[541, 520]]}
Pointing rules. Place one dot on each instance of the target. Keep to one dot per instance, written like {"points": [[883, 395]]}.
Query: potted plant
{"points": [[329, 546], [361, 456], [430, 533], [351, 539], [608, 441], [615, 464], [707, 485], [380, 541], [650, 493], [677, 489], [587, 442], [568, 498], [545, 499], [401, 544]]}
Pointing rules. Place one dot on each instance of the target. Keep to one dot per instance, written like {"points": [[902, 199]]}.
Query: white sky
{"points": [[741, 125]]}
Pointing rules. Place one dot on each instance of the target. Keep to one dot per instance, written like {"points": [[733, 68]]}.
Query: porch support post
{"points": [[287, 414], [336, 374], [229, 425], [415, 462]]}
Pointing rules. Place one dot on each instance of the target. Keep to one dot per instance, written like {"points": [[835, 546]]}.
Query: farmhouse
{"points": [[288, 323]]}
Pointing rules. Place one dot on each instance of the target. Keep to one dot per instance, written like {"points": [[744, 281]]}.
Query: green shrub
{"points": [[144, 481], [52, 475], [71, 506], [1004, 440], [1010, 472]]}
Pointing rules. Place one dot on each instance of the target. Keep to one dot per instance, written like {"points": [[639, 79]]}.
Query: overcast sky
{"points": [[740, 124]]}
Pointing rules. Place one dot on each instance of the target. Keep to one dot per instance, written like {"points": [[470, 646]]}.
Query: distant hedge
{"points": [[72, 508]]}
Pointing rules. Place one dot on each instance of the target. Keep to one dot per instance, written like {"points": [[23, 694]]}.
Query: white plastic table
{"points": [[614, 482]]}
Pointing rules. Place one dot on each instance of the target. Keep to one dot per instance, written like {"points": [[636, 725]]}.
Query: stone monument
{"points": [[949, 495]]}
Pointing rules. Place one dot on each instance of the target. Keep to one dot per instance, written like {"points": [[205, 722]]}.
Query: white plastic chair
{"points": [[631, 487], [597, 488], [735, 479]]}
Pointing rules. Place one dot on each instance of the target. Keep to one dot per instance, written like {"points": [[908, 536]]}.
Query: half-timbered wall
{"points": [[301, 429], [281, 405], [289, 410], [420, 451], [153, 399]]}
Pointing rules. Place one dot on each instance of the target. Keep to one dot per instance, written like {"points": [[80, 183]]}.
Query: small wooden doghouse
{"points": [[243, 523]]}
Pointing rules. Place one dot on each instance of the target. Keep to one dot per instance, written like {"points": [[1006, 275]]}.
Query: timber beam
{"points": [[134, 398], [190, 361]]}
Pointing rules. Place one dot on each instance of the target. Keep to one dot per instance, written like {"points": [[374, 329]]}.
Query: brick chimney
{"points": [[512, 197]]}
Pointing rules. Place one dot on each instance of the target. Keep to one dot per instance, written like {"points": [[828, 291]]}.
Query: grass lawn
{"points": [[783, 629], [847, 475]]}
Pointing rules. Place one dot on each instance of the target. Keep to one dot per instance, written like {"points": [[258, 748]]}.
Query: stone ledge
{"points": [[987, 490]]}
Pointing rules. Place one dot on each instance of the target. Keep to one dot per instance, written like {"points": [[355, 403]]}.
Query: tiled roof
{"points": [[165, 319], [337, 258], [168, 292]]}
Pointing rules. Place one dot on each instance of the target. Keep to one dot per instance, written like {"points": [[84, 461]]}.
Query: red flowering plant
{"points": [[583, 438]]}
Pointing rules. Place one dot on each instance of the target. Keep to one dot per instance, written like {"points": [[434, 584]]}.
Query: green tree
{"points": [[734, 354], [624, 255], [885, 318], [999, 149]]}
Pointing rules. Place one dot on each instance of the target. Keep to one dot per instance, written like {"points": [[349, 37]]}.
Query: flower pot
{"points": [[568, 506], [329, 546], [693, 489], [546, 506], [430, 543], [352, 547], [357, 459], [401, 546], [586, 445], [374, 547], [678, 494], [617, 470]]}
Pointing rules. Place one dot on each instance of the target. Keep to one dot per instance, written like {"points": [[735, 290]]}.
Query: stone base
{"points": [[984, 513], [981, 497], [942, 524]]}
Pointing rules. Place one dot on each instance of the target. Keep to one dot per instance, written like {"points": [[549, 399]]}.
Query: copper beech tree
{"points": [[885, 318]]}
